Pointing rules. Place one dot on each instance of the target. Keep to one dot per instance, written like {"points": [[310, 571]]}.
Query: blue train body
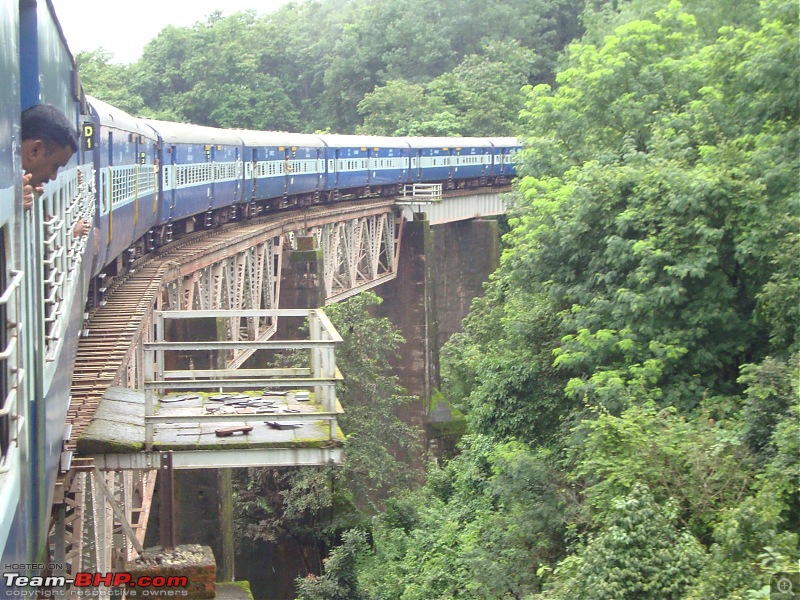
{"points": [[278, 165], [43, 282], [139, 183], [124, 156]]}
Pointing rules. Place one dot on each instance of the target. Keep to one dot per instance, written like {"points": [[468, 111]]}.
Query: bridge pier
{"points": [[465, 254], [442, 268], [204, 507], [409, 302], [302, 283]]}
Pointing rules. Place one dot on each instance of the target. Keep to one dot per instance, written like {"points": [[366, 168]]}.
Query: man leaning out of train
{"points": [[48, 142]]}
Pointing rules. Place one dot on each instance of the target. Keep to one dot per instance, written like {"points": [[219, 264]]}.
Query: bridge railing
{"points": [[320, 374], [422, 192]]}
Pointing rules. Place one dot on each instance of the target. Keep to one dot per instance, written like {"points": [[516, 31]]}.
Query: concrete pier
{"points": [[442, 269]]}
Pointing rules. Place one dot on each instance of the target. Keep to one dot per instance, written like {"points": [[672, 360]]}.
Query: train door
{"points": [[288, 170], [170, 182], [106, 187], [156, 169], [320, 167], [238, 173], [90, 140], [372, 163], [210, 154], [252, 169], [139, 160], [337, 165]]}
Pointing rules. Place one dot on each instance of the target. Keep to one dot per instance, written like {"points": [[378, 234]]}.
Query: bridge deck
{"points": [[188, 426]]}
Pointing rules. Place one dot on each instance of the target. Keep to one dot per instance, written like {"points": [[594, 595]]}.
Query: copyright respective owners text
{"points": [[784, 586]]}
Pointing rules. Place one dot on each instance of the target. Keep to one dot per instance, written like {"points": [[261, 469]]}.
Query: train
{"points": [[157, 180], [139, 184]]}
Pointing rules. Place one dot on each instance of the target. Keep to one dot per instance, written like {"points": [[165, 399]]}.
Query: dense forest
{"points": [[631, 376], [406, 67]]}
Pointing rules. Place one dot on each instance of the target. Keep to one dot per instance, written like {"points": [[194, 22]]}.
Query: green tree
{"points": [[640, 553], [108, 81], [499, 370], [601, 17], [701, 467], [478, 529], [397, 108], [339, 580], [654, 231], [485, 91]]}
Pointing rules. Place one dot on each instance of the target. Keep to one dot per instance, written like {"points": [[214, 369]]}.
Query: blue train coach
{"points": [[279, 165], [201, 170], [125, 156]]}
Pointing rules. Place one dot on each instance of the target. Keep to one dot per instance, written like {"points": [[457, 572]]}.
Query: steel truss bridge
{"points": [[102, 502]]}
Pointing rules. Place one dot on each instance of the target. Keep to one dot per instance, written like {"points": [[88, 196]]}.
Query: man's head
{"points": [[48, 142]]}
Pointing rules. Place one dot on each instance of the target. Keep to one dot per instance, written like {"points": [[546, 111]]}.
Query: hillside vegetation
{"points": [[399, 67]]}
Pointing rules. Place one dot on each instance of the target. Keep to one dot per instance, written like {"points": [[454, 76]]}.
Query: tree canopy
{"points": [[336, 65]]}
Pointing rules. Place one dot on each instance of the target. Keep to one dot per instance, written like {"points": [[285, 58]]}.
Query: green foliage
{"points": [[478, 529], [640, 553], [480, 96], [500, 367], [210, 75], [757, 537], [698, 465], [338, 581], [656, 233], [394, 109], [339, 65], [485, 90], [771, 388], [108, 81], [601, 18]]}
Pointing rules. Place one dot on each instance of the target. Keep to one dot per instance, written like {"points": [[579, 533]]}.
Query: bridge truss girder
{"points": [[101, 523], [248, 279], [101, 516], [359, 253]]}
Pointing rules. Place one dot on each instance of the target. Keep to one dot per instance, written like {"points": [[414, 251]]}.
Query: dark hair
{"points": [[49, 124]]}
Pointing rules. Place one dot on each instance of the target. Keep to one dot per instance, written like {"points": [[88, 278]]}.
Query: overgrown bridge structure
{"points": [[180, 367]]}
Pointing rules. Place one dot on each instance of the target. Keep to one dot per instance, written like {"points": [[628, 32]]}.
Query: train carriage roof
{"points": [[187, 133], [506, 142], [111, 116], [448, 142], [336, 140], [278, 138]]}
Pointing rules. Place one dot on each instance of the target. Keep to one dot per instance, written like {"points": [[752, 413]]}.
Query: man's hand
{"points": [[27, 191], [79, 228]]}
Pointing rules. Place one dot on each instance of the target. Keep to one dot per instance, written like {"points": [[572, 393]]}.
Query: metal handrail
{"points": [[15, 283]]}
